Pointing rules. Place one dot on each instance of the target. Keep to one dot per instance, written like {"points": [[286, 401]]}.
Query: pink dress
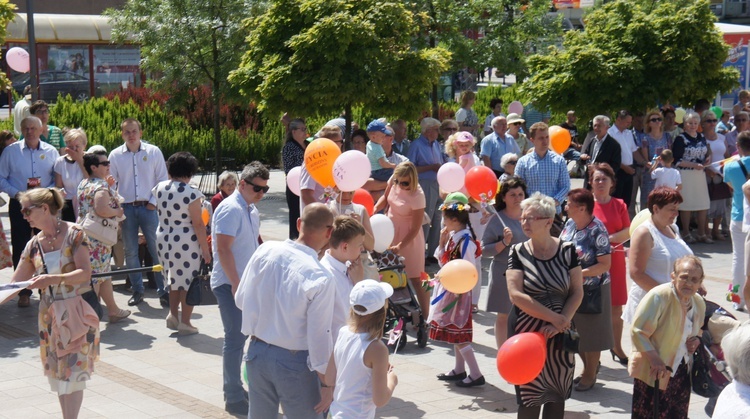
{"points": [[401, 204]]}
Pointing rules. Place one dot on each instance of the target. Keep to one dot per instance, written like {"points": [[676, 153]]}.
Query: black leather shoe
{"points": [[473, 383], [451, 377], [237, 408], [164, 300], [136, 299]]}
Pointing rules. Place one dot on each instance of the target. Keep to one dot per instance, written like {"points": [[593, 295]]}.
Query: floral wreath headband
{"points": [[454, 206]]}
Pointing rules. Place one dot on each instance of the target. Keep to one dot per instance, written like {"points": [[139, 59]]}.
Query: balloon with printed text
{"points": [[320, 155], [481, 183]]}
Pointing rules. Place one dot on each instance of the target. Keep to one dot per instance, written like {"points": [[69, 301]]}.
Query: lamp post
{"points": [[32, 50]]}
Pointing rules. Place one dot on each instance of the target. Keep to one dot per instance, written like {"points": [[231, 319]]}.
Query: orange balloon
{"points": [[205, 216], [319, 157], [481, 183], [521, 358], [458, 276], [559, 138]]}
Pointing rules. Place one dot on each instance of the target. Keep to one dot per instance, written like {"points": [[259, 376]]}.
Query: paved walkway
{"points": [[148, 371]]}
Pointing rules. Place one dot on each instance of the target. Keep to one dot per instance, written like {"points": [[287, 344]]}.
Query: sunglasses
{"points": [[257, 188], [403, 184], [27, 211], [711, 121], [655, 120], [518, 124], [512, 162], [103, 163]]}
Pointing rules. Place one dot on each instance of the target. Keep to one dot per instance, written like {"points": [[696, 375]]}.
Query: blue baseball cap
{"points": [[378, 126]]}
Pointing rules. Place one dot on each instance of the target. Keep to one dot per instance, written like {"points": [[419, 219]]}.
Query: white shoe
{"points": [[184, 329], [172, 322], [738, 306]]}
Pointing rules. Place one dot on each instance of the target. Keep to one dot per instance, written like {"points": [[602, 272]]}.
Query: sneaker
{"points": [[738, 307]]}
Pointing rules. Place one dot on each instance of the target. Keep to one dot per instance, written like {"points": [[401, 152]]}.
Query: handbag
{"points": [[719, 191], [101, 229], [700, 374], [592, 299], [89, 296], [199, 292]]}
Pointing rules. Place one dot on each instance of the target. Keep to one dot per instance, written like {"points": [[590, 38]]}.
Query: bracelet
{"points": [[325, 386], [503, 242]]}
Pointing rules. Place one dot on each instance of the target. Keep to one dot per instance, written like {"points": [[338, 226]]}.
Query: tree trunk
{"points": [[217, 129], [348, 128], [435, 102]]}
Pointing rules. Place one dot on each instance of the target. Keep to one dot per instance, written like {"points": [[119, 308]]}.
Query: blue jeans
{"points": [[234, 343], [147, 221], [432, 202], [280, 376]]}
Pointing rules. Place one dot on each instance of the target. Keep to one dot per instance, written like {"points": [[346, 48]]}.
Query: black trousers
{"points": [[292, 201], [624, 186], [20, 234], [68, 212]]}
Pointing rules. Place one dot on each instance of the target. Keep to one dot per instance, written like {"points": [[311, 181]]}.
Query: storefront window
{"points": [[116, 67]]}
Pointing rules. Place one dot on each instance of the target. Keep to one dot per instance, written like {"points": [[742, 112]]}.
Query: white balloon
{"points": [[382, 229], [451, 177], [351, 170], [292, 180]]}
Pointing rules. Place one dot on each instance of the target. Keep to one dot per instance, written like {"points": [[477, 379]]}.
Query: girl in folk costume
{"points": [[450, 317]]}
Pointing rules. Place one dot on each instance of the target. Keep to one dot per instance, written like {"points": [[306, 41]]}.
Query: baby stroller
{"points": [[716, 323], [403, 304]]}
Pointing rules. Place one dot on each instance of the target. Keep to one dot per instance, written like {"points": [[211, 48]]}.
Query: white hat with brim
{"points": [[368, 296]]}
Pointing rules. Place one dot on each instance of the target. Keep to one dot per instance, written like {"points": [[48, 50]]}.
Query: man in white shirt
{"points": [[235, 231], [621, 132], [21, 110], [138, 167], [287, 298]]}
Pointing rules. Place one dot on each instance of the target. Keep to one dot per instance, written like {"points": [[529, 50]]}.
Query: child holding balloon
{"points": [[450, 318]]}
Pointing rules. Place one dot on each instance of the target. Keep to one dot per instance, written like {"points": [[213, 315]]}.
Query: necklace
{"points": [[51, 241]]}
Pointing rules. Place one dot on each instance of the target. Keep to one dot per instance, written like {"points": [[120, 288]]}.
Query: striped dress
{"points": [[550, 288]]}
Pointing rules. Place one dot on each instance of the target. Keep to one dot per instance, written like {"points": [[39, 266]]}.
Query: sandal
{"points": [[718, 236], [122, 314], [688, 238], [705, 239]]}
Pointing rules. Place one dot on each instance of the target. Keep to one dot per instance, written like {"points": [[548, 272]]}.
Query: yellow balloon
{"points": [[205, 216], [679, 114], [639, 219], [458, 276]]}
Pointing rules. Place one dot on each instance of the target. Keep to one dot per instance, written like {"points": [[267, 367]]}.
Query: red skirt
{"points": [[452, 333], [617, 276]]}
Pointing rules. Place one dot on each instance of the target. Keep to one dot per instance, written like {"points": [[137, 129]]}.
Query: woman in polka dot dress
{"points": [[181, 236]]}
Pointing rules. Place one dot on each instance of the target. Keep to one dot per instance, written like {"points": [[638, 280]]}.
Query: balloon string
{"points": [[438, 298], [450, 306]]}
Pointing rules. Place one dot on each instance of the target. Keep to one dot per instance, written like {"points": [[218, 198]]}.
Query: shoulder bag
{"points": [[199, 292], [700, 374], [101, 229], [592, 299]]}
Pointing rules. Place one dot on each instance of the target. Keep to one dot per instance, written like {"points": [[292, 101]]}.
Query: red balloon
{"points": [[362, 197], [521, 358], [481, 183]]}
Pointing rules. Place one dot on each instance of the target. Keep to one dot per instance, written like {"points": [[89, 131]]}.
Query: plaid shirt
{"points": [[548, 175]]}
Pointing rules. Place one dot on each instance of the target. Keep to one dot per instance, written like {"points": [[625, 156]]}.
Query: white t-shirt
{"points": [[666, 176], [627, 144], [733, 402], [352, 396], [461, 115]]}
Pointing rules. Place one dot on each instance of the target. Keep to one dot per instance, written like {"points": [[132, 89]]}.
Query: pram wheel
{"points": [[401, 341], [422, 335]]}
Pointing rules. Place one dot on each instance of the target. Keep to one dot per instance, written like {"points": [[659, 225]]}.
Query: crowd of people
{"points": [[312, 306]]}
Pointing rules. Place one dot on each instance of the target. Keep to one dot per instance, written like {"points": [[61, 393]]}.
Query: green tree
{"points": [[7, 14], [313, 57], [633, 56], [187, 43]]}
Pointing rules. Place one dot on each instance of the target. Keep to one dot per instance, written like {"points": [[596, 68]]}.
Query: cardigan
{"points": [[658, 325]]}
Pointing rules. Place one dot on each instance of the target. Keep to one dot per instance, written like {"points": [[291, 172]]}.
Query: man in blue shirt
{"points": [[543, 170], [736, 177], [25, 165], [235, 231], [425, 152], [498, 144]]}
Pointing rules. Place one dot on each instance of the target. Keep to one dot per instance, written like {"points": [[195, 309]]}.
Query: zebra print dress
{"points": [[550, 288]]}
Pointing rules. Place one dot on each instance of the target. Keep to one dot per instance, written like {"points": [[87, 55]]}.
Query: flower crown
{"points": [[454, 206]]}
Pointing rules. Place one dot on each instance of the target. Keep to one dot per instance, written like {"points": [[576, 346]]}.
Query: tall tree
{"points": [[309, 57], [7, 14], [634, 55], [506, 31], [187, 43]]}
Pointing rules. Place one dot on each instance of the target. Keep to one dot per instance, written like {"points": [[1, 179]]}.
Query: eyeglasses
{"points": [[711, 121], [655, 120], [257, 188], [512, 162], [27, 211], [530, 219], [403, 184], [103, 163]]}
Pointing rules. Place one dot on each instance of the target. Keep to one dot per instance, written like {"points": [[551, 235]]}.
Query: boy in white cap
{"points": [[359, 370]]}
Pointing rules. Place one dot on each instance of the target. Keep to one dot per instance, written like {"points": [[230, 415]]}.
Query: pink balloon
{"points": [[18, 59], [351, 170], [292, 180], [451, 177], [515, 107]]}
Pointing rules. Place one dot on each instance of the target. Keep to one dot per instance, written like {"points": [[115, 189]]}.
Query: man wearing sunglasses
{"points": [[235, 233], [137, 167], [25, 165]]}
